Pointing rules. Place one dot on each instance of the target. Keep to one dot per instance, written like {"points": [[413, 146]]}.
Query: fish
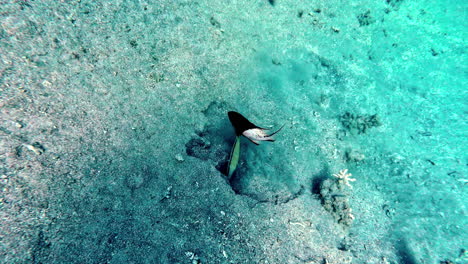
{"points": [[243, 127]]}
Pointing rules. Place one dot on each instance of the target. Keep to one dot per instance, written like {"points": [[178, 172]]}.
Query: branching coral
{"points": [[345, 177]]}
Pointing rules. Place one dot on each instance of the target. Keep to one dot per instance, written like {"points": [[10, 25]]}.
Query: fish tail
{"points": [[269, 136]]}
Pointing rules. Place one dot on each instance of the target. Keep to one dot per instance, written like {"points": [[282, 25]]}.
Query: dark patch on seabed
{"points": [[404, 252], [217, 133]]}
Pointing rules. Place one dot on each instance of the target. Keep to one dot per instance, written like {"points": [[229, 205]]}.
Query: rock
{"points": [[36, 147], [354, 156], [365, 19], [334, 196], [179, 157]]}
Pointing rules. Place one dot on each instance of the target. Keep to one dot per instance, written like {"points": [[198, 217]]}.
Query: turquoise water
{"points": [[115, 135]]}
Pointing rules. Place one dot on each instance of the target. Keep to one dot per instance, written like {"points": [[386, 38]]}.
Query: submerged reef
{"points": [[359, 124], [365, 19], [334, 194]]}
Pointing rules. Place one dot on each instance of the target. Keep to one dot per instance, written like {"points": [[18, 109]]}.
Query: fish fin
{"points": [[270, 139], [234, 157], [253, 141], [276, 131]]}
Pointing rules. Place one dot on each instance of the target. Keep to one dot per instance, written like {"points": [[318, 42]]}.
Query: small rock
{"points": [[300, 13], [276, 62], [19, 124], [168, 192], [36, 147], [192, 256], [179, 157], [46, 83], [354, 156], [215, 22]]}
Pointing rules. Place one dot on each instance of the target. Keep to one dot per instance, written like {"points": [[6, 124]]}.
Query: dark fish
{"points": [[244, 127]]}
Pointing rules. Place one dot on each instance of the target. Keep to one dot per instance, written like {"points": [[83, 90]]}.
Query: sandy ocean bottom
{"points": [[114, 134]]}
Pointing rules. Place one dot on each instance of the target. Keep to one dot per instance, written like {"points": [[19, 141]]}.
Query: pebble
{"points": [[36, 149], [179, 157]]}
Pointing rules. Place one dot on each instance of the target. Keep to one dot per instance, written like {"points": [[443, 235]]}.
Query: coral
{"points": [[345, 177], [365, 19], [359, 124], [334, 195]]}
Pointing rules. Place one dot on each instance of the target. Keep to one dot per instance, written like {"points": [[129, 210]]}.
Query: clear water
{"points": [[115, 135]]}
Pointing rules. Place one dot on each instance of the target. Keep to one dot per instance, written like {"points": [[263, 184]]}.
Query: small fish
{"points": [[244, 127]]}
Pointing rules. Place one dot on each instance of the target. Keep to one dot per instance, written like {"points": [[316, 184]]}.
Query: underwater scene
{"points": [[234, 131]]}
